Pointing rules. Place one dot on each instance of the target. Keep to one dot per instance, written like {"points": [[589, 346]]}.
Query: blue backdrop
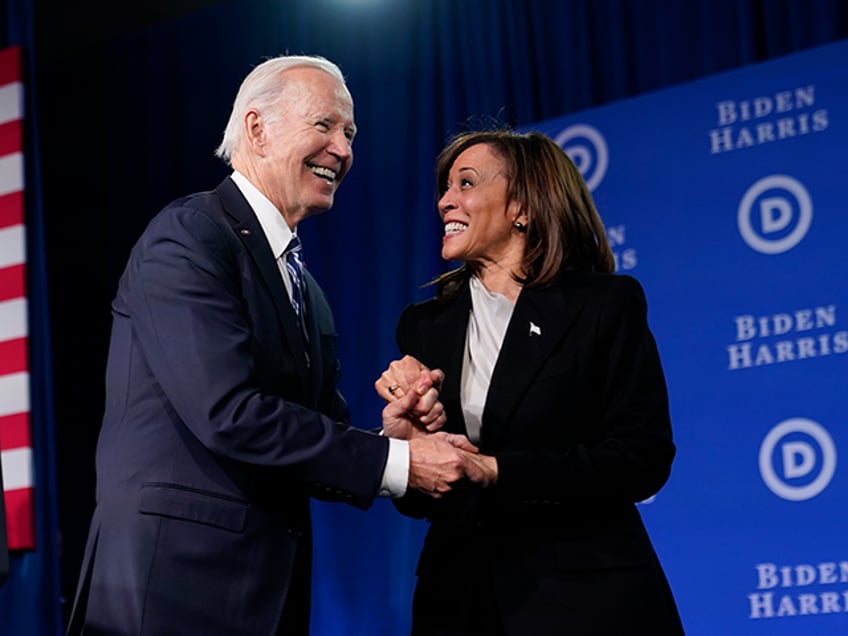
{"points": [[726, 198], [121, 127]]}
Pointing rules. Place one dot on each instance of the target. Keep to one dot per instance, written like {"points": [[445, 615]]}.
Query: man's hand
{"points": [[435, 463], [398, 420]]}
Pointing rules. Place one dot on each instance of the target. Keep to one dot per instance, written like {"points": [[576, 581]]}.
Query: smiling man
{"points": [[222, 411]]}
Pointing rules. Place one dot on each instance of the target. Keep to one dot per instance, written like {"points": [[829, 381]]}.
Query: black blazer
{"points": [[215, 435], [577, 417]]}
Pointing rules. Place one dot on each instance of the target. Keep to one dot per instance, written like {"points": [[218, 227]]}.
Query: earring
{"points": [[518, 225]]}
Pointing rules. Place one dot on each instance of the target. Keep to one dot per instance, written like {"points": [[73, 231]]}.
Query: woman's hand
{"points": [[413, 414], [406, 376]]}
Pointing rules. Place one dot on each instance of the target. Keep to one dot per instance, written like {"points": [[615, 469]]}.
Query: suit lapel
{"points": [[445, 348], [315, 304], [247, 228], [539, 321]]}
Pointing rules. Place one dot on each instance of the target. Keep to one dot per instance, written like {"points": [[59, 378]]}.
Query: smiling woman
{"points": [[527, 228], [482, 226], [551, 369]]}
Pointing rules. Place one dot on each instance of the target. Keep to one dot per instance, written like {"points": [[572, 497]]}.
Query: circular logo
{"points": [[588, 150], [805, 447], [775, 214]]}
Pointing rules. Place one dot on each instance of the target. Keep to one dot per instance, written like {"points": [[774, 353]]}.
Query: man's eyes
{"points": [[327, 126]]}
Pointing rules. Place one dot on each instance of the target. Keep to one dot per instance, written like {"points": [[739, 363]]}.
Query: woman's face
{"points": [[477, 216]]}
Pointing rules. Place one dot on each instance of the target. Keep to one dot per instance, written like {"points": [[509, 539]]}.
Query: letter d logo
{"points": [[805, 447]]}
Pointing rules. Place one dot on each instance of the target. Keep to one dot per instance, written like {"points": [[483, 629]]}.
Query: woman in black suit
{"points": [[551, 369]]}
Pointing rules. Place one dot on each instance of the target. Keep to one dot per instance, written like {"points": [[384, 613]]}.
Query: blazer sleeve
{"points": [[182, 290]]}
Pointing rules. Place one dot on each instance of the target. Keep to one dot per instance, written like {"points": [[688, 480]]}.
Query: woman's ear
{"points": [[520, 218]]}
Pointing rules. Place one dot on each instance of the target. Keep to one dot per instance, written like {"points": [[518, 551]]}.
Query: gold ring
{"points": [[393, 388]]}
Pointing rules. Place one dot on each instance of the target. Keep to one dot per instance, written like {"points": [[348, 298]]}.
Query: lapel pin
{"points": [[534, 329]]}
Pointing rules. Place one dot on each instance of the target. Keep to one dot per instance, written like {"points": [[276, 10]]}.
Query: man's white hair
{"points": [[261, 90]]}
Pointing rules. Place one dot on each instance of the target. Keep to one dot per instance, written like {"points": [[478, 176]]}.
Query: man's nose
{"points": [[340, 145]]}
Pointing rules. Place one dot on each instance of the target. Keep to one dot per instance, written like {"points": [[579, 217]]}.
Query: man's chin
{"points": [[320, 206]]}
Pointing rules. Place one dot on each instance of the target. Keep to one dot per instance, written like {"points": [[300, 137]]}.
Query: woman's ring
{"points": [[393, 388]]}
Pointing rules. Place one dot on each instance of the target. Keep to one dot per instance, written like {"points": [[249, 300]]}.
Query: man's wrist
{"points": [[396, 471]]}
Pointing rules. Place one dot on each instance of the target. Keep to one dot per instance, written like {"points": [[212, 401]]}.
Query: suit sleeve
{"points": [[628, 450], [414, 503], [182, 291]]}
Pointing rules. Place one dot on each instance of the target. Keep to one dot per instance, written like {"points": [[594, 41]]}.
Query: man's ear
{"points": [[254, 131]]}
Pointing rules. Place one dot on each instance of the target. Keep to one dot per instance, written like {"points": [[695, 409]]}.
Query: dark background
{"points": [[130, 100]]}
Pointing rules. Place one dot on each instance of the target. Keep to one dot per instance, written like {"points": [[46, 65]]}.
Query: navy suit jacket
{"points": [[577, 416], [215, 434]]}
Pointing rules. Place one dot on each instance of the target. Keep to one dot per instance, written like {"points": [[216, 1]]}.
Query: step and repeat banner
{"points": [[728, 199]]}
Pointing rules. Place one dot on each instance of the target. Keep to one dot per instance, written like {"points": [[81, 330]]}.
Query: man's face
{"points": [[306, 149]]}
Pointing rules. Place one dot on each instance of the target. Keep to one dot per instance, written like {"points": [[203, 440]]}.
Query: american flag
{"points": [[15, 443]]}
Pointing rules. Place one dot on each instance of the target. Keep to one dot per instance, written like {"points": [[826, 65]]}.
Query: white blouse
{"points": [[487, 323]]}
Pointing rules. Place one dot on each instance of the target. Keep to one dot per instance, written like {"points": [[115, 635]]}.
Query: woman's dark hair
{"points": [[564, 229]]}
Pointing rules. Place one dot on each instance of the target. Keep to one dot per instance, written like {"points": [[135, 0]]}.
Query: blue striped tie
{"points": [[294, 266]]}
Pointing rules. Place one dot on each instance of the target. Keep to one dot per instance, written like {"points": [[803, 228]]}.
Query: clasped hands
{"points": [[413, 412]]}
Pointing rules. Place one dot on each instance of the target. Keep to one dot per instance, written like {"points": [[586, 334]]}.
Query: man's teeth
{"points": [[455, 228], [325, 173]]}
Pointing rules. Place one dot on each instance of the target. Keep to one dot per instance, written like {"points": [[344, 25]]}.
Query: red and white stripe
{"points": [[15, 441]]}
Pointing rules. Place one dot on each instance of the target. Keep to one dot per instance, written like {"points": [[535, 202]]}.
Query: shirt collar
{"points": [[276, 230]]}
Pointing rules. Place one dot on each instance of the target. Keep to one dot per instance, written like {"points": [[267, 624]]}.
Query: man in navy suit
{"points": [[222, 411]]}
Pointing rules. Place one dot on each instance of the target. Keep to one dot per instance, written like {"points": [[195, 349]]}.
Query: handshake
{"points": [[413, 412]]}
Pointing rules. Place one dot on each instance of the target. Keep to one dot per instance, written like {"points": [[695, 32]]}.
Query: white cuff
{"points": [[396, 472]]}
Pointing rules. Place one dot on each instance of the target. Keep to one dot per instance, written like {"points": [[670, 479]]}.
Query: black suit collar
{"points": [[247, 228], [447, 344], [540, 320]]}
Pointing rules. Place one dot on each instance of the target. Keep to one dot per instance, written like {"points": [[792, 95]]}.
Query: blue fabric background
{"points": [[118, 129]]}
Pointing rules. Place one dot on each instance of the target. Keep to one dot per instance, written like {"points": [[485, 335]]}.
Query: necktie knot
{"points": [[294, 243], [294, 251]]}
